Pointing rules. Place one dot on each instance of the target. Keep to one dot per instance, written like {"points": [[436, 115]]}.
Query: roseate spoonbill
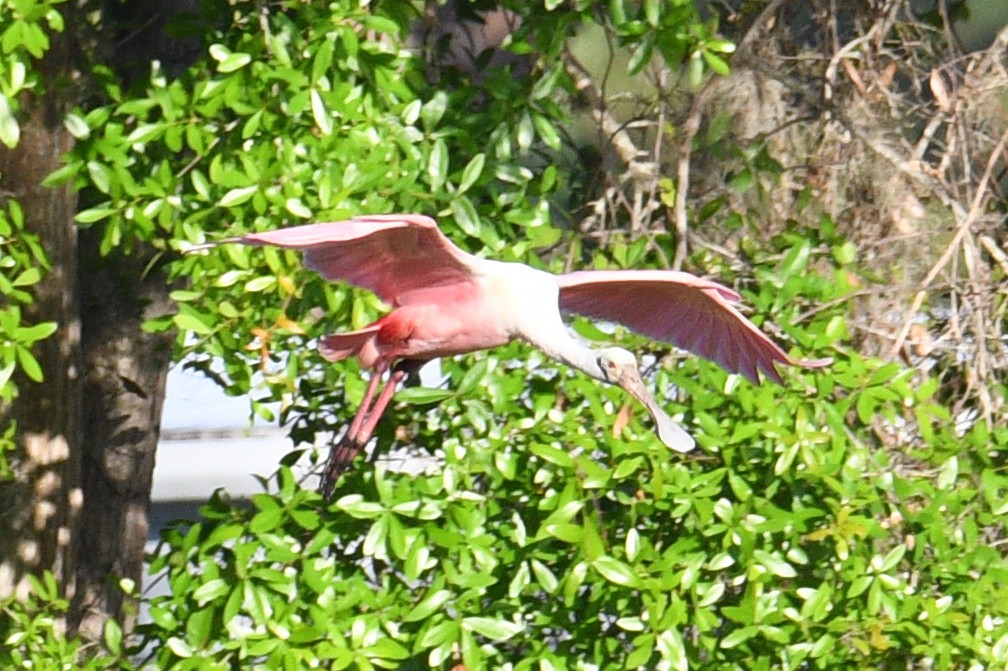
{"points": [[446, 301]]}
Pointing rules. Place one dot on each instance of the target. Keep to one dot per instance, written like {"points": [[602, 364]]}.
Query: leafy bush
{"points": [[23, 262], [32, 634], [553, 530], [541, 540]]}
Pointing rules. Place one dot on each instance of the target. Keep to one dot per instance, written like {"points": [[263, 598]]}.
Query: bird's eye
{"points": [[611, 364], [605, 366]]}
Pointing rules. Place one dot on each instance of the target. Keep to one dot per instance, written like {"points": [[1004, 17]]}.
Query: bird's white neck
{"points": [[560, 345], [529, 299]]}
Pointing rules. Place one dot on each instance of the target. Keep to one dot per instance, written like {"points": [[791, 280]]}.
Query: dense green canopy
{"points": [[841, 520]]}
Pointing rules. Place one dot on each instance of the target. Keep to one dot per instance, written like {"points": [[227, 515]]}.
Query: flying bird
{"points": [[446, 302]]}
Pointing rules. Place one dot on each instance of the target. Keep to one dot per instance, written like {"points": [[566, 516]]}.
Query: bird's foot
{"points": [[341, 457]]}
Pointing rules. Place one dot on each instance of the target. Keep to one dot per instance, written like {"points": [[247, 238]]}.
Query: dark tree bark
{"points": [[125, 367], [39, 506], [87, 434], [124, 384]]}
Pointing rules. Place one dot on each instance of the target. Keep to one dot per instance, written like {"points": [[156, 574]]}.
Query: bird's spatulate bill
{"points": [[670, 433]]}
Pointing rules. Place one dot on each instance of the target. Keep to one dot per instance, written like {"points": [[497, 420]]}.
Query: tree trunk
{"points": [[77, 504], [126, 368], [124, 388], [39, 506]]}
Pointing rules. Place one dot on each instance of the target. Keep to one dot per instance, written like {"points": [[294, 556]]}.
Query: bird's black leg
{"points": [[342, 455]]}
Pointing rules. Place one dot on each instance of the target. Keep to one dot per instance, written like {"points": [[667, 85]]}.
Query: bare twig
{"points": [[950, 251], [757, 27], [619, 139], [690, 128]]}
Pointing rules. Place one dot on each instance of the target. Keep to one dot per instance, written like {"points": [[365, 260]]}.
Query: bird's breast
{"points": [[523, 295]]}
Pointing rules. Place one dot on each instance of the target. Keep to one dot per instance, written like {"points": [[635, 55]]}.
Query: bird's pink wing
{"points": [[395, 255], [690, 312]]}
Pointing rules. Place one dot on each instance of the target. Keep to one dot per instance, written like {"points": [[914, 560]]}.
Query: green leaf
{"points": [[94, 214], [716, 63], [652, 12], [442, 632], [948, 473], [261, 283], [617, 11], [471, 173], [775, 564], [297, 208], [628, 467], [569, 533], [738, 637], [355, 506], [713, 594], [234, 62], [495, 630], [615, 571], [437, 166], [10, 132], [62, 175], [795, 260], [694, 70], [434, 110], [411, 112], [547, 131], [179, 647], [322, 117], [101, 176], [5, 374], [36, 332], [145, 133], [210, 591], [113, 636], [521, 579], [641, 54], [323, 59], [892, 558], [29, 364], [553, 455], [544, 576], [77, 127], [632, 544], [227, 60], [190, 320], [670, 647], [423, 395], [720, 46], [433, 602], [465, 215], [525, 133], [386, 648], [237, 196]]}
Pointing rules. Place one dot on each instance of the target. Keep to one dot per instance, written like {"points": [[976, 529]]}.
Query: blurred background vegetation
{"points": [[841, 164]]}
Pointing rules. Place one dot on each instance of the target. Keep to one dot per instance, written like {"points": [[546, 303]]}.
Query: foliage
{"points": [[551, 530], [539, 539], [32, 637], [22, 263], [321, 116], [24, 36]]}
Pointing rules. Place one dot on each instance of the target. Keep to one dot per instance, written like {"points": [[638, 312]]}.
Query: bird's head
{"points": [[619, 367], [613, 361]]}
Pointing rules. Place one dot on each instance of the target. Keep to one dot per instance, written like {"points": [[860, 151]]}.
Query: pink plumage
{"points": [[690, 312], [446, 301]]}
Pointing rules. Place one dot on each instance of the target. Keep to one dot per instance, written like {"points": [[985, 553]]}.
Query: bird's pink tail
{"points": [[339, 346]]}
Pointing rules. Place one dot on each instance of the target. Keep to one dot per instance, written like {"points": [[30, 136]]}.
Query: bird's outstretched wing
{"points": [[395, 255], [690, 312]]}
